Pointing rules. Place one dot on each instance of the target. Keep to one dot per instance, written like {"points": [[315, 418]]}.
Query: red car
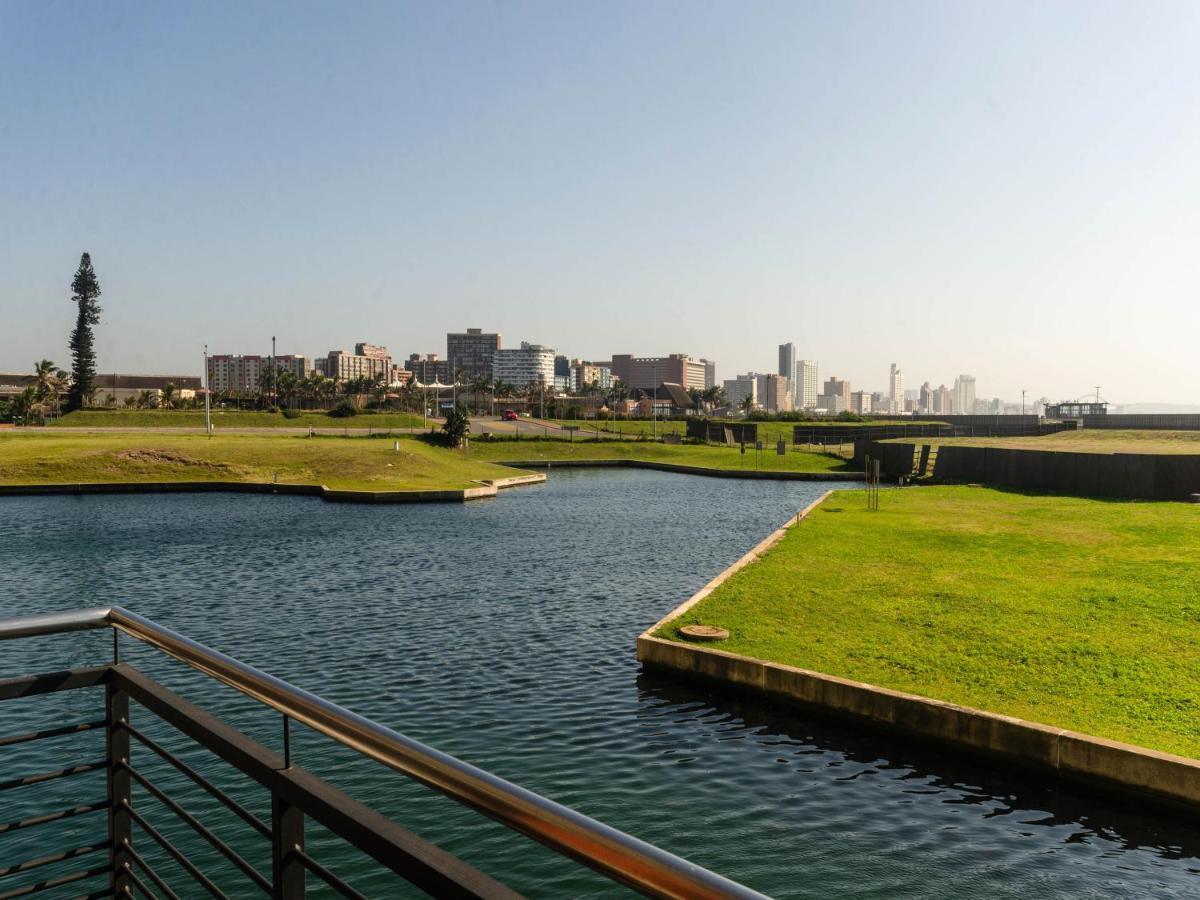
{"points": [[509, 415]]}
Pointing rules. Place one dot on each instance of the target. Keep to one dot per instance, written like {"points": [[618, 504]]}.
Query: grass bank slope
{"points": [[1081, 614], [713, 457], [228, 418], [60, 457]]}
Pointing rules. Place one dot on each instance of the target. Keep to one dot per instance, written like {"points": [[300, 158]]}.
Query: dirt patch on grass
{"points": [[166, 458]]}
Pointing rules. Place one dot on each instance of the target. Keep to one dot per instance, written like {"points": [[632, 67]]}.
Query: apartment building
{"points": [[524, 365], [806, 384], [471, 352], [229, 372], [585, 373], [738, 389], [367, 361]]}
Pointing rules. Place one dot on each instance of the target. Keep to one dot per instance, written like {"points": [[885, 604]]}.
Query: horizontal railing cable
{"points": [[151, 874], [42, 777], [30, 864], [200, 828], [329, 877], [176, 854], [51, 733], [244, 814], [57, 881], [52, 817]]}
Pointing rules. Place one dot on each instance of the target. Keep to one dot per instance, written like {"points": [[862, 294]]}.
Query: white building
{"points": [[228, 372], [524, 365], [895, 390], [806, 384], [962, 396], [738, 389]]}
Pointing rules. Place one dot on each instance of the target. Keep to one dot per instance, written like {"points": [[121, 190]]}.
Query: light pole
{"points": [[1022, 402], [654, 404], [207, 396]]}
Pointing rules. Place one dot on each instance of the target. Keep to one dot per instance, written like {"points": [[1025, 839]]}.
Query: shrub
{"points": [[456, 426], [291, 413], [343, 410]]}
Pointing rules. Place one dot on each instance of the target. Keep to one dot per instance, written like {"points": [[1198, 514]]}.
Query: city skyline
{"points": [[935, 185]]}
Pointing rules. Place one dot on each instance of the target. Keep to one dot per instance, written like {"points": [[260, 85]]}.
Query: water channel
{"points": [[503, 632]]}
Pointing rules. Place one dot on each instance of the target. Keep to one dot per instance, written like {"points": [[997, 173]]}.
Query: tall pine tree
{"points": [[85, 290]]}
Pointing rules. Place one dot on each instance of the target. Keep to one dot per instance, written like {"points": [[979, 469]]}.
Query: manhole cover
{"points": [[703, 633]]}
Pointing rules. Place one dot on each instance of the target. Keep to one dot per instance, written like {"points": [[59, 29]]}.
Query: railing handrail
{"points": [[620, 856]]}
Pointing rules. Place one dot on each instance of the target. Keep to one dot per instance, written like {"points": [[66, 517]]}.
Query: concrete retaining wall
{"points": [[683, 470], [1067, 754], [485, 489]]}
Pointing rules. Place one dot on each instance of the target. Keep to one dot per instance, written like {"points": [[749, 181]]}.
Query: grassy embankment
{"points": [[229, 418], [767, 431], [1084, 441], [712, 456], [57, 457], [1076, 613]]}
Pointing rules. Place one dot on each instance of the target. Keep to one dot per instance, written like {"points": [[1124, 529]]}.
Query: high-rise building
{"points": [[738, 389], [925, 399], [228, 372], [963, 396], [648, 372], [471, 352], [835, 387], [806, 384], [787, 361], [585, 373], [861, 403], [367, 361], [895, 390], [528, 364], [777, 394]]}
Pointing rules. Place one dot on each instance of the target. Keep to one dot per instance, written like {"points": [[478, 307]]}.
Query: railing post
{"points": [[287, 835], [120, 824]]}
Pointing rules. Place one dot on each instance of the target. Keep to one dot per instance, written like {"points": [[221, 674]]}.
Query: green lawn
{"points": [[49, 456], [716, 457], [228, 418], [1080, 614], [1084, 441]]}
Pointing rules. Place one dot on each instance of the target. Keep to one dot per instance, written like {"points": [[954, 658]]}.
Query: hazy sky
{"points": [[1007, 189]]}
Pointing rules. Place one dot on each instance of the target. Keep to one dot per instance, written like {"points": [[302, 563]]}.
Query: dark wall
{"points": [[1174, 422], [1133, 475]]}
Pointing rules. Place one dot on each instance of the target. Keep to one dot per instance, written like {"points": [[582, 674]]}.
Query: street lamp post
{"points": [[207, 396]]}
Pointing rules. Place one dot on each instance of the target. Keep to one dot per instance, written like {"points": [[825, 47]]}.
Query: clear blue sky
{"points": [[1007, 189]]}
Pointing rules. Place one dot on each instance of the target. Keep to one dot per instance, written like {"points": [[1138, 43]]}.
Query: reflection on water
{"points": [[503, 632]]}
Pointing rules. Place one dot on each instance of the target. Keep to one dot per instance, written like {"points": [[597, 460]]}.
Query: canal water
{"points": [[503, 632]]}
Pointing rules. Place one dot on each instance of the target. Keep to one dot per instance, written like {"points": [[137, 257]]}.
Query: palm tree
{"points": [[167, 400], [49, 381], [145, 400], [480, 384], [747, 404]]}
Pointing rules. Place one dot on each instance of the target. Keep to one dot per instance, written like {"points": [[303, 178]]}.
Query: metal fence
{"points": [[116, 857]]}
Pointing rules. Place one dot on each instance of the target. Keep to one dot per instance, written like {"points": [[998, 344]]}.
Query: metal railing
{"points": [[295, 794]]}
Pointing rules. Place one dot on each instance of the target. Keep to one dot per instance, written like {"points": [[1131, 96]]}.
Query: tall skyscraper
{"points": [[787, 361], [895, 390], [962, 398], [806, 384]]}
